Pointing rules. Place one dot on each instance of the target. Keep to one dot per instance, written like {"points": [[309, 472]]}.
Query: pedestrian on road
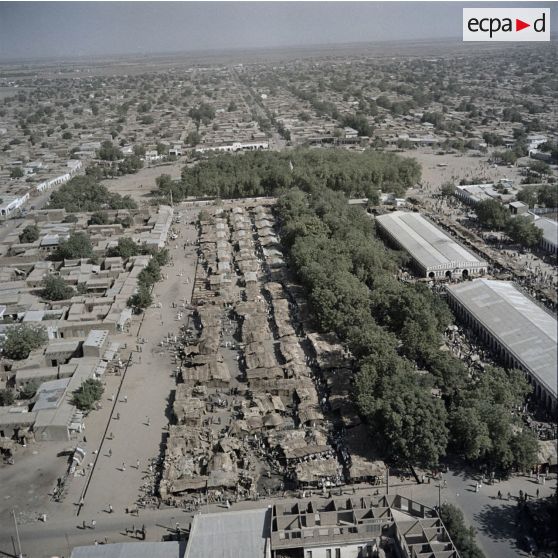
{"points": [[148, 422], [110, 508], [499, 495], [110, 452], [117, 416], [123, 468], [509, 496], [125, 399], [537, 492], [137, 464], [93, 524], [84, 524]]}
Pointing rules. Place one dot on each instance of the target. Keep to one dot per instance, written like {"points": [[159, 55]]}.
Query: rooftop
{"points": [[428, 245], [238, 534], [527, 330]]}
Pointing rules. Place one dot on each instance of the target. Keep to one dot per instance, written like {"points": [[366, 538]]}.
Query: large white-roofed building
{"points": [[433, 252], [522, 333]]}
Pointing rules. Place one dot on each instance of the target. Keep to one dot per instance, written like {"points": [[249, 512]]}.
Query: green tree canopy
{"points": [[109, 152], [55, 288], [29, 234], [84, 193], [77, 246], [88, 394], [22, 339], [463, 537]]}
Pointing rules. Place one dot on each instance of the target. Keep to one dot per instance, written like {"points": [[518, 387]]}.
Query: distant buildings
{"points": [[433, 252], [233, 147]]}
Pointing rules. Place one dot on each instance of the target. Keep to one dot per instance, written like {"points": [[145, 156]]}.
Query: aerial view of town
{"points": [[278, 280]]}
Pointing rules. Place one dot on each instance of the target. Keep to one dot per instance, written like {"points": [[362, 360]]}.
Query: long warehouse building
{"points": [[518, 330], [434, 253]]}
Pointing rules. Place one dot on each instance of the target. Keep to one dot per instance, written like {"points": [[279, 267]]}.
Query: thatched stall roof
{"points": [[317, 470], [273, 420], [291, 349], [254, 374], [275, 290], [363, 468], [547, 452], [214, 373], [309, 413], [329, 351]]}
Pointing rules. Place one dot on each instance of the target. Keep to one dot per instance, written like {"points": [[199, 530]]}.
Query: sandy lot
{"points": [[458, 167], [139, 185]]}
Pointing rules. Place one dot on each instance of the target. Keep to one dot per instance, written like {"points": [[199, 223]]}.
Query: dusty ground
{"points": [[458, 167], [139, 185], [147, 384]]}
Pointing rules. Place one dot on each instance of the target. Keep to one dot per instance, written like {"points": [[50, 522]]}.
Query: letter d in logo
{"points": [[540, 24]]}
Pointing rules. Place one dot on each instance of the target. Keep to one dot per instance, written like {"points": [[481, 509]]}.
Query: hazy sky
{"points": [[33, 29]]}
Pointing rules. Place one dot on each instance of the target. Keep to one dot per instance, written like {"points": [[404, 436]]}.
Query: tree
{"points": [[540, 167], [67, 135], [29, 234], [524, 446], [492, 214], [55, 288], [99, 218], [29, 390], [139, 150], [529, 196], [109, 152], [78, 245], [448, 188], [22, 339], [126, 248], [84, 193], [193, 138], [140, 300], [16, 172], [7, 397], [88, 394], [463, 537], [523, 231]]}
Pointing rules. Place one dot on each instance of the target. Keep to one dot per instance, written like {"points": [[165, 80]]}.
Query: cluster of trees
{"points": [[22, 339], [544, 195], [203, 113], [269, 173], [29, 234], [55, 288], [493, 215], [394, 330], [88, 394], [147, 278], [462, 537], [77, 246], [84, 193]]}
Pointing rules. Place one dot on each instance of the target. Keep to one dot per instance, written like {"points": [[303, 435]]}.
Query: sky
{"points": [[68, 29]]}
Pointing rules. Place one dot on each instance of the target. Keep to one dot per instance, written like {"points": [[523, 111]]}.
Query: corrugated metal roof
{"points": [[425, 242], [527, 330], [238, 534]]}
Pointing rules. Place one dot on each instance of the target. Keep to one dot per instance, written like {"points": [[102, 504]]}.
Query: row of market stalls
{"points": [[262, 402]]}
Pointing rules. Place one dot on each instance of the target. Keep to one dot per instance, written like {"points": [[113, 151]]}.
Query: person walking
{"points": [[93, 524], [123, 468], [110, 510], [110, 452], [499, 495], [137, 464]]}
